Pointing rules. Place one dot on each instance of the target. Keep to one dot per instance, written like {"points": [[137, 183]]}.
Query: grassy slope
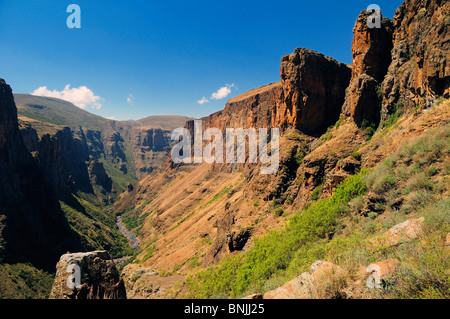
{"points": [[23, 281], [334, 230], [57, 111]]}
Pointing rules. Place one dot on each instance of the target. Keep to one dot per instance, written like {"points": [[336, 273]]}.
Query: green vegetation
{"points": [[316, 192], [219, 195], [95, 226], [133, 219], [356, 155], [411, 183], [273, 254], [57, 111], [396, 113], [339, 122], [23, 281], [370, 128], [148, 253]]}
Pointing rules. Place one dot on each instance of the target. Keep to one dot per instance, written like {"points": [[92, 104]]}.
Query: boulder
{"points": [[384, 269], [301, 287], [400, 233], [324, 280], [90, 275], [146, 283]]}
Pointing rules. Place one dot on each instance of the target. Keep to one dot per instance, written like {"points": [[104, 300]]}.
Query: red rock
{"points": [[419, 71], [371, 50]]}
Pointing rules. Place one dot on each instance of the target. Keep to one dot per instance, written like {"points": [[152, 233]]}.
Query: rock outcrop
{"points": [[325, 280], [91, 275], [146, 283], [313, 91], [99, 177], [255, 108], [63, 159], [420, 68], [308, 98], [371, 50], [400, 233]]}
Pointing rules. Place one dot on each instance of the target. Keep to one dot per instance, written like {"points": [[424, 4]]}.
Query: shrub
{"points": [[289, 200], [278, 211], [316, 192], [272, 254], [356, 155], [384, 183]]}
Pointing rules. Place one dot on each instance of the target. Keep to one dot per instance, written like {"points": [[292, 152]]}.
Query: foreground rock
{"points": [[91, 275], [324, 280], [400, 233], [147, 283]]}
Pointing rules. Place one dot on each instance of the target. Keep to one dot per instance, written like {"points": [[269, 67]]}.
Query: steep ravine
{"points": [[134, 241]]}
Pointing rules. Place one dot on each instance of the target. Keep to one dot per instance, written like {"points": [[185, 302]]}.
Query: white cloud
{"points": [[112, 118], [81, 96], [130, 99], [203, 100], [222, 93]]}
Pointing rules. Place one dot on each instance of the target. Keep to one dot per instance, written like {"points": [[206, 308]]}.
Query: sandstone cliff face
{"points": [[33, 226], [256, 109], [308, 98], [313, 90], [371, 50], [98, 176], [91, 275], [150, 148], [420, 69]]}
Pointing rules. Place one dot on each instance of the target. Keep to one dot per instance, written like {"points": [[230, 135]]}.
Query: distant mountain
{"points": [[57, 111], [127, 149], [165, 122]]}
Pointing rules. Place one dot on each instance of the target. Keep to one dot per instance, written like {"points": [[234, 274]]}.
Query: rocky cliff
{"points": [[313, 91], [419, 72], [308, 98], [33, 227], [371, 51]]}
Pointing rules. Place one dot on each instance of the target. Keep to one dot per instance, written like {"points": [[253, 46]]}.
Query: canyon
{"points": [[353, 166]]}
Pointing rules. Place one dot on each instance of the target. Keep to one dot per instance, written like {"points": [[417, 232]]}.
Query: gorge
{"points": [[362, 182]]}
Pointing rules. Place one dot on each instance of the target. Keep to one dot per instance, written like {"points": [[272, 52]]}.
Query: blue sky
{"points": [[139, 58]]}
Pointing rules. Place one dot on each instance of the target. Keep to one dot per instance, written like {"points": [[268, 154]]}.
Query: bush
{"points": [[278, 211], [272, 255], [384, 183], [316, 192]]}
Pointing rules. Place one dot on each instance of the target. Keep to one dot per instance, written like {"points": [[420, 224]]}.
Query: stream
{"points": [[134, 241]]}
